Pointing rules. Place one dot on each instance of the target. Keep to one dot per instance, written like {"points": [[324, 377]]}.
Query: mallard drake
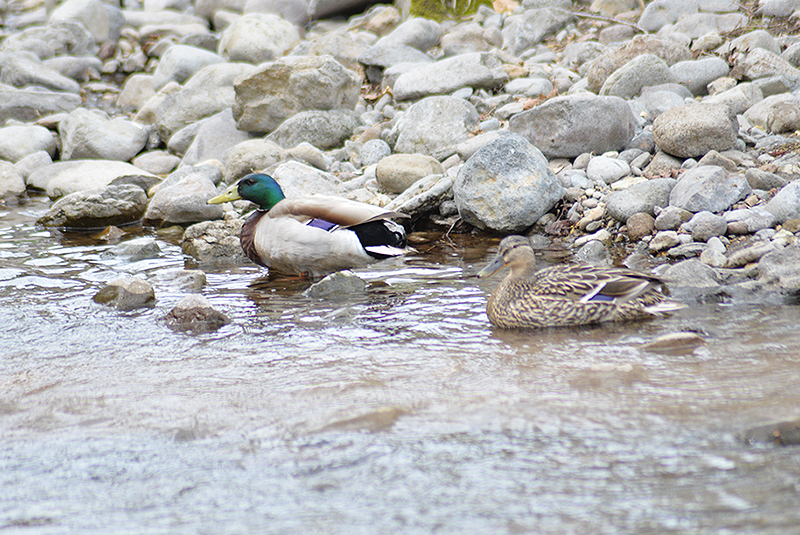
{"points": [[312, 235], [572, 295]]}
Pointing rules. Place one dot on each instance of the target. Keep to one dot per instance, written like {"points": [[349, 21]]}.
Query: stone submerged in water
{"points": [[127, 293], [195, 313]]}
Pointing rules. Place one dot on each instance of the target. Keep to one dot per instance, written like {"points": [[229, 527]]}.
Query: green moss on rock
{"points": [[439, 10]]}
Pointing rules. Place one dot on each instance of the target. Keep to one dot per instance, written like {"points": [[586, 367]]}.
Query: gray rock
{"points": [[344, 46], [207, 92], [606, 169], [761, 63], [749, 254], [339, 285], [759, 179], [663, 240], [780, 433], [103, 21], [23, 69], [194, 313], [465, 38], [739, 98], [705, 225], [434, 126], [63, 178], [215, 136], [324, 129], [373, 151], [642, 197], [594, 252], [693, 130], [662, 12], [697, 74], [278, 90], [90, 135], [32, 104], [19, 141], [506, 186], [305, 152], [424, 196], [565, 127], [749, 220], [690, 273], [180, 62], [136, 249], [184, 201], [477, 70], [97, 208], [743, 44], [419, 33], [657, 102], [376, 59], [708, 188], [781, 268], [786, 203], [59, 38], [396, 173], [603, 66], [296, 178], [214, 242], [470, 146], [627, 81], [158, 162], [662, 165], [522, 32], [763, 112], [127, 293], [249, 156], [257, 38], [192, 280], [12, 183], [79, 69], [671, 217]]}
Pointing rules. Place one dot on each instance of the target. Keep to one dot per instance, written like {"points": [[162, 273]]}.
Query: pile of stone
{"points": [[672, 128]]}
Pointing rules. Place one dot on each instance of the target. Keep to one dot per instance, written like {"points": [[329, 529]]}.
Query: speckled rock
{"points": [[506, 186], [694, 129]]}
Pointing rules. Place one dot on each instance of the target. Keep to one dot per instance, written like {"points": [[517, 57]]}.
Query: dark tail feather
{"points": [[381, 239]]}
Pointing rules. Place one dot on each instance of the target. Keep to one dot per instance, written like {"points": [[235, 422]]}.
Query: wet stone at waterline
{"points": [[127, 293], [195, 313]]}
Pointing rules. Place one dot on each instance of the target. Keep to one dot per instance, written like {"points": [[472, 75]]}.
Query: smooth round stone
{"points": [[607, 170], [640, 225], [398, 172]]}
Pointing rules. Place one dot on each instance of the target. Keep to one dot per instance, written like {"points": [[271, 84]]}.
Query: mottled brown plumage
{"points": [[566, 296]]}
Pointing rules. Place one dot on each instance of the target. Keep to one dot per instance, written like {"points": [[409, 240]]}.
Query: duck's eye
{"points": [[249, 181]]}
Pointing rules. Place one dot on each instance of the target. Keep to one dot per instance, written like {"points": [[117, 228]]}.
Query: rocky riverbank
{"points": [[667, 134]]}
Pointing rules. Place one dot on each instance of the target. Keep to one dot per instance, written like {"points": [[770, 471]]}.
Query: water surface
{"points": [[399, 410]]}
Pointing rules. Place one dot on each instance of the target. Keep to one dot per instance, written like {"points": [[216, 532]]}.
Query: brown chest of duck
{"points": [[312, 235], [568, 296]]}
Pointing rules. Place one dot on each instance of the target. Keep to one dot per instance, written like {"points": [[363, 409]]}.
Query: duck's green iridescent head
{"points": [[259, 188]]}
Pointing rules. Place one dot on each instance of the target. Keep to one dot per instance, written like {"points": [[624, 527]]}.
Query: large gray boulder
{"points": [[207, 92], [18, 141], [477, 70], [97, 208], [93, 135], [695, 129], [565, 127], [434, 126], [708, 188], [278, 90], [786, 203], [324, 129], [62, 178], [179, 62], [257, 38], [506, 186]]}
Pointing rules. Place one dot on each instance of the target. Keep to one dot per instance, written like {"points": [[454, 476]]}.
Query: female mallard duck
{"points": [[565, 296], [312, 235]]}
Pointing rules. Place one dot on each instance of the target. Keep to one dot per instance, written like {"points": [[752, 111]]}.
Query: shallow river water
{"points": [[396, 411]]}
